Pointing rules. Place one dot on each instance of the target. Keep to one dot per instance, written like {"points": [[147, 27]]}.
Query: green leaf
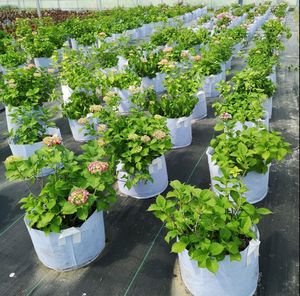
{"points": [[68, 208], [219, 127], [216, 249], [212, 265], [263, 211], [178, 247], [46, 218], [160, 201]]}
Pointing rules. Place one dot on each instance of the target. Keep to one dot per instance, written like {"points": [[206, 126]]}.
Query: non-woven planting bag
{"points": [[146, 189], [180, 131], [257, 183], [264, 121], [10, 125], [43, 62], [200, 110], [66, 92], [211, 84], [73, 247], [233, 278], [27, 150], [79, 133], [268, 105], [125, 104]]}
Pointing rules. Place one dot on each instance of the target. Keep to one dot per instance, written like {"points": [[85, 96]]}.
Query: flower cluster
{"points": [[95, 108], [98, 167], [159, 135], [225, 116], [83, 121], [79, 197], [52, 141], [12, 158], [145, 139], [101, 127], [133, 137]]}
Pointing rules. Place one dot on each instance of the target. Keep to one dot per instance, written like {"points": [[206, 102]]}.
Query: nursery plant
{"points": [[79, 185], [208, 226], [123, 79], [179, 99], [80, 104], [251, 149], [12, 57], [27, 86], [32, 124], [133, 141]]}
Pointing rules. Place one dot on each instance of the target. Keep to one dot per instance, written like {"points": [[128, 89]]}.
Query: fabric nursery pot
{"points": [[264, 120], [73, 247], [66, 92], [156, 82], [43, 62], [180, 131], [210, 85], [268, 105], [256, 183], [200, 110], [125, 103], [10, 125], [146, 189], [233, 278], [78, 131], [25, 151]]}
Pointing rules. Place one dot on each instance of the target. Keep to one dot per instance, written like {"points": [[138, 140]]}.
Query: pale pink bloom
{"points": [[52, 140], [98, 167], [83, 121], [101, 127], [197, 58], [159, 135], [164, 62], [225, 116], [145, 139], [79, 197], [167, 49]]}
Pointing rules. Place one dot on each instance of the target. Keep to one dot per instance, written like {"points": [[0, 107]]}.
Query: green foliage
{"points": [[251, 149], [249, 81], [32, 124], [50, 210], [79, 104], [208, 226], [28, 86], [280, 9], [134, 140], [144, 64], [123, 79]]}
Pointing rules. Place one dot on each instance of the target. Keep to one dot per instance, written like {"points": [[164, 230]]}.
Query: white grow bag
{"points": [[156, 82], [27, 150], [233, 278], [180, 131], [200, 110], [256, 183], [71, 248], [66, 92], [43, 62], [265, 121], [210, 85], [125, 104], [10, 125], [79, 133], [268, 105], [146, 189]]}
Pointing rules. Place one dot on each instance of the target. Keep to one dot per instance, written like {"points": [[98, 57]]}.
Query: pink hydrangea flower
{"points": [[79, 197], [225, 116], [98, 167], [52, 141]]}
